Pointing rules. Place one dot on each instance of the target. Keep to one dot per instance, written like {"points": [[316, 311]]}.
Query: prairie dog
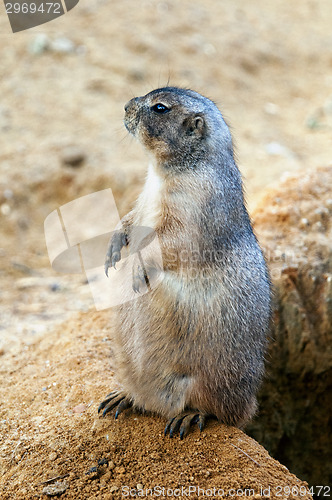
{"points": [[193, 346]]}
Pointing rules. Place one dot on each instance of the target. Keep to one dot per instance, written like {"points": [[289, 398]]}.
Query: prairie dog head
{"points": [[178, 127]]}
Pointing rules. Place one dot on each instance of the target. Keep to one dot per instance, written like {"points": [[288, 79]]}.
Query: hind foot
{"points": [[183, 421], [115, 399]]}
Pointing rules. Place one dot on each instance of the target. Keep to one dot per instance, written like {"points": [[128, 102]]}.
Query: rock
{"points": [[62, 45], [295, 401], [276, 149], [80, 408], [39, 44], [42, 43], [271, 108], [73, 156], [8, 194], [5, 209], [55, 489]]}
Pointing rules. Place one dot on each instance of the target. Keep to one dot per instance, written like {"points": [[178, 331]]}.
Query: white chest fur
{"points": [[148, 208]]}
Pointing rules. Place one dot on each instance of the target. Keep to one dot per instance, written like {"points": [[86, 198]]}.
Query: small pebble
{"points": [[271, 109], [62, 45], [120, 470], [318, 226], [107, 476], [5, 209], [8, 194], [39, 44], [73, 156], [321, 213], [55, 287], [55, 489], [276, 149], [304, 223], [80, 408]]}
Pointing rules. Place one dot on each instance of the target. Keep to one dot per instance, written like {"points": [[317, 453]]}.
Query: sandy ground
{"points": [[268, 66], [52, 430]]}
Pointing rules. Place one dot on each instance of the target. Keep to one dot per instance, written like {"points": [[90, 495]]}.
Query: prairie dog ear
{"points": [[195, 125]]}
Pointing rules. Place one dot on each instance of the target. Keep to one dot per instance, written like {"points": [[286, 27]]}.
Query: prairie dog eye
{"points": [[160, 108]]}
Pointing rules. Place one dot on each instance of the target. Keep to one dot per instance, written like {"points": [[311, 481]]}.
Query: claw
{"points": [[112, 404], [168, 425], [108, 398], [113, 255], [175, 425], [116, 256], [123, 405], [201, 422], [115, 399], [186, 423], [183, 422]]}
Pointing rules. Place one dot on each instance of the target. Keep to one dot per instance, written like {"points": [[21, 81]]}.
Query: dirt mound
{"points": [[294, 224], [50, 394]]}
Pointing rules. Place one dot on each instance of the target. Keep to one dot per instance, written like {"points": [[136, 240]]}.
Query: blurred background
{"points": [[268, 67], [63, 85]]}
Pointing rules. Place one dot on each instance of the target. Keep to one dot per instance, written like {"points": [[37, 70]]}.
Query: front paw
{"points": [[145, 275], [140, 278], [117, 242]]}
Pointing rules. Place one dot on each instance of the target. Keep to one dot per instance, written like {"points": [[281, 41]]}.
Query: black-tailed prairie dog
{"points": [[193, 346]]}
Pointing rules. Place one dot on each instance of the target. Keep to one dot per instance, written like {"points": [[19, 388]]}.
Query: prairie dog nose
{"points": [[130, 103]]}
